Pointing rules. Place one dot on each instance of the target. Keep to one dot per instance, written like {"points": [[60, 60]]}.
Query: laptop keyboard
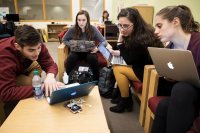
{"points": [[117, 60]]}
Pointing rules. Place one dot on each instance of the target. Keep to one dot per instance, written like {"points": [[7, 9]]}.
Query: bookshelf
{"points": [[53, 31]]}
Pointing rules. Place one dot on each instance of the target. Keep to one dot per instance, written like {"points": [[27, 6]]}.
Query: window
{"points": [[59, 11], [8, 3], [94, 8], [30, 9], [39, 9]]}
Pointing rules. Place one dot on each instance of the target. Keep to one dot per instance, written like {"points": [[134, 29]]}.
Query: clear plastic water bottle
{"points": [[37, 83], [65, 78]]}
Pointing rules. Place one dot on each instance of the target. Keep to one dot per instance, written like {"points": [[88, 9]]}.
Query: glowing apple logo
{"points": [[170, 65], [73, 93]]}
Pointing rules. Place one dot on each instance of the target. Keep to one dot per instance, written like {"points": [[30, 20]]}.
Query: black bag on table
{"points": [[106, 82]]}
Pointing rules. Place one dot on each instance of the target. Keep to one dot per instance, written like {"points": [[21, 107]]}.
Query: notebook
{"points": [[81, 45], [109, 57], [171, 63], [70, 92]]}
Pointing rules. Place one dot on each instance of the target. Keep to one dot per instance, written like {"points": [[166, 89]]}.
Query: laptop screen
{"points": [[104, 51], [70, 92], [81, 45], [12, 17]]}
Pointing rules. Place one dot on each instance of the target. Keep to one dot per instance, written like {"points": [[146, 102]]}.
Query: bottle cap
{"points": [[65, 73], [35, 72]]}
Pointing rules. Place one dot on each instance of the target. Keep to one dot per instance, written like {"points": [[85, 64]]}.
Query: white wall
{"points": [[108, 7], [158, 4]]}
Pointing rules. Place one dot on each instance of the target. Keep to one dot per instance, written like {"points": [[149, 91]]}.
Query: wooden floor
{"points": [[126, 122]]}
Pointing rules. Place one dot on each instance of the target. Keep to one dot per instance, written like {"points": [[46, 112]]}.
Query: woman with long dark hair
{"points": [[135, 35], [83, 30]]}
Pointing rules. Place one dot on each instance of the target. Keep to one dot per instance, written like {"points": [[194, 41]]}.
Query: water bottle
{"points": [[37, 83], [65, 78]]}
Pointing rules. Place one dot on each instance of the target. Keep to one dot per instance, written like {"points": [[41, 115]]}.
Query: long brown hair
{"points": [[103, 15], [78, 31], [143, 34], [183, 13]]}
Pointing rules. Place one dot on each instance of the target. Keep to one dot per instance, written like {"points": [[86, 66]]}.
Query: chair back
{"points": [[61, 34], [111, 32]]}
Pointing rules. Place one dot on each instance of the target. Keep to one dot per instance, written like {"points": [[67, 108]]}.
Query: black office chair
{"points": [[7, 30], [111, 32]]}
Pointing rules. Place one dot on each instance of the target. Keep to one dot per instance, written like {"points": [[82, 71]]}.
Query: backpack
{"points": [[106, 81], [80, 74]]}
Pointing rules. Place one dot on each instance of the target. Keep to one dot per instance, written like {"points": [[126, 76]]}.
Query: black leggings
{"points": [[90, 58], [177, 113]]}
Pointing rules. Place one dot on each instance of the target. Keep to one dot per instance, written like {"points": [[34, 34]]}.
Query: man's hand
{"points": [[50, 84]]}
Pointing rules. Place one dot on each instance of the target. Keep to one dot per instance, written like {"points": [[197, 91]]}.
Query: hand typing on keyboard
{"points": [[115, 52], [117, 60]]}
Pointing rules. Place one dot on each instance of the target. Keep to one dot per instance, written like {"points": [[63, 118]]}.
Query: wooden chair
{"points": [[141, 91], [153, 101], [61, 34], [153, 85], [63, 52]]}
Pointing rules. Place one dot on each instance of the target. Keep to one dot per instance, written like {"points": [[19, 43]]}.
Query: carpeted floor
{"points": [[118, 123]]}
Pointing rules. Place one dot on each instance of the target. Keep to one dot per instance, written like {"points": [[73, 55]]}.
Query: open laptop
{"points": [[171, 63], [81, 45], [70, 92], [114, 60]]}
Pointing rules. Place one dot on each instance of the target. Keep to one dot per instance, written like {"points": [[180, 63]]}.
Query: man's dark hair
{"points": [[27, 36]]}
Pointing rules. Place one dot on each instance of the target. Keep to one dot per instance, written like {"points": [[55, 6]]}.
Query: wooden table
{"points": [[37, 116]]}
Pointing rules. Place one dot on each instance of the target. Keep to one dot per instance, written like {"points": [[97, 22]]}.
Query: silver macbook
{"points": [[70, 92], [81, 45], [109, 57], [175, 64]]}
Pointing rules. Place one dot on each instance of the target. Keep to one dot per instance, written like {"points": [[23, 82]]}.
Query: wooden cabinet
{"points": [[53, 31], [146, 12]]}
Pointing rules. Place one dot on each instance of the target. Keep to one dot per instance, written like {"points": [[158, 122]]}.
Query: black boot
{"points": [[116, 97], [115, 93], [124, 104], [116, 100]]}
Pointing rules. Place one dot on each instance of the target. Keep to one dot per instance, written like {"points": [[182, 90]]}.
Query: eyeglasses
{"points": [[125, 26]]}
